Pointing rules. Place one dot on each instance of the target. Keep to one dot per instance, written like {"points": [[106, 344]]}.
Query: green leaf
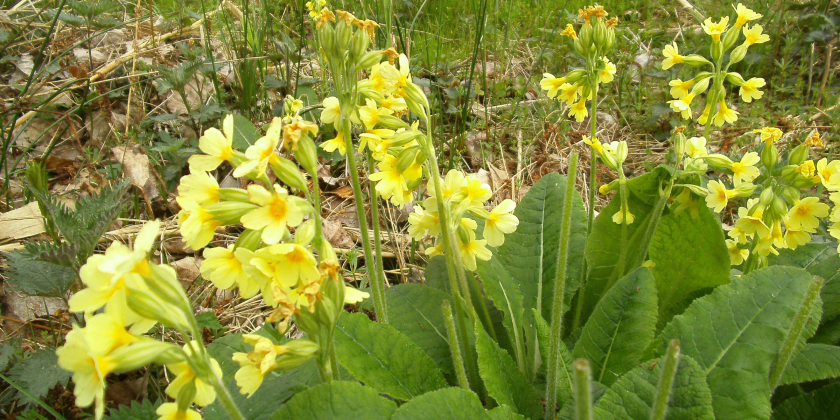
{"points": [[436, 275], [565, 383], [813, 363], [735, 334], [822, 404], [275, 390], [633, 395], [144, 410], [7, 352], [503, 380], [568, 410], [244, 133], [622, 325], [385, 359], [40, 278], [504, 412], [415, 310], [689, 255], [38, 374], [820, 260], [443, 404], [503, 290], [338, 401], [604, 247]]}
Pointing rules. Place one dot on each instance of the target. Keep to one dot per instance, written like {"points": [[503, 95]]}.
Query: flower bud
{"points": [[249, 239], [790, 194], [746, 189], [416, 100], [297, 352], [326, 36], [415, 183], [358, 45], [798, 154], [139, 353], [369, 59], [716, 51], [186, 395], [233, 194], [621, 152], [343, 32], [700, 86], [696, 189], [719, 160], [229, 212], [392, 122], [479, 212], [803, 182], [307, 155], [769, 156], [325, 313], [148, 306], [578, 46], [695, 60], [738, 54], [406, 158], [599, 34], [730, 37], [789, 172], [610, 42], [777, 210], [766, 198], [608, 188], [289, 173], [307, 323], [735, 78], [585, 37]]}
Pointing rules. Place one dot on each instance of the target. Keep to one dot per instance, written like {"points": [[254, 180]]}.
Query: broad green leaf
{"points": [[383, 358], [622, 325], [633, 395], [603, 249], [244, 133], [823, 404], [565, 383], [735, 334], [443, 404], [827, 333], [820, 260], [416, 311], [144, 410], [38, 374], [275, 390], [436, 275], [568, 410], [503, 290], [502, 379], [814, 362], [689, 254], [337, 401], [504, 412]]}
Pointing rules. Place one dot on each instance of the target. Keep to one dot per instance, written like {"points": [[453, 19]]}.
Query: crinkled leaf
{"points": [[814, 362], [503, 290], [633, 395], [244, 133], [436, 275], [504, 412], [7, 352], [689, 254], [384, 358], [503, 380], [40, 278], [820, 260], [443, 404], [565, 382], [622, 325], [823, 404], [416, 311], [337, 400], [38, 374], [144, 410], [735, 334]]}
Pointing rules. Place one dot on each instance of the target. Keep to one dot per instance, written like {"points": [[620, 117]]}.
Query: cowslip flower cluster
{"points": [[596, 39], [464, 194], [125, 296], [779, 217], [723, 39]]}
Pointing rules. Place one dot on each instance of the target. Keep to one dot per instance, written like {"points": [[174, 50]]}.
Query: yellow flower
{"points": [[752, 224], [170, 411], [474, 192], [423, 221], [795, 238], [89, 369], [200, 186], [551, 84], [294, 264], [683, 105], [745, 170], [715, 29], [736, 254], [393, 104], [679, 89], [595, 144], [623, 216], [331, 111], [696, 147], [606, 75], [769, 134], [472, 249], [827, 171], [672, 56], [569, 31], [738, 235], [805, 214], [263, 359], [814, 139], [221, 267], [806, 169], [353, 296], [500, 222], [397, 78], [370, 113], [277, 211], [718, 196], [704, 116], [377, 140], [569, 93], [336, 143], [217, 147], [749, 90], [196, 223], [435, 250], [292, 133], [578, 110], [261, 152], [753, 35], [688, 202], [744, 15], [725, 114], [390, 181], [368, 26], [205, 394]]}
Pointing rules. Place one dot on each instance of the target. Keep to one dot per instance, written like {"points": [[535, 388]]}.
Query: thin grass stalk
{"points": [[583, 390], [553, 367], [455, 346], [374, 220], [803, 316], [666, 381]]}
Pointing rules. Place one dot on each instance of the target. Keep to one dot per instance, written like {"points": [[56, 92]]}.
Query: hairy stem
{"points": [[226, 399], [663, 390], [583, 390], [374, 220], [455, 346], [789, 346]]}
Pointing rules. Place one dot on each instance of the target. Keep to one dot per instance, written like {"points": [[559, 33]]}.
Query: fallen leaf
{"points": [[21, 223], [139, 170], [188, 269], [344, 192], [336, 235]]}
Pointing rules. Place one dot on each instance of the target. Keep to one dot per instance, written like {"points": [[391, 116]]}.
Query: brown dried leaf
{"points": [[139, 170], [336, 234], [21, 223]]}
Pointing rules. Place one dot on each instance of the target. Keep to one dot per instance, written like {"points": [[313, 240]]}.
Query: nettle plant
{"points": [[645, 311]]}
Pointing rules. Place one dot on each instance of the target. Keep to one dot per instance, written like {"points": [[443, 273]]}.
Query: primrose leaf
{"points": [[244, 133], [822, 404], [735, 334], [383, 358], [337, 400], [820, 260], [565, 383], [448, 403], [504, 412], [813, 363], [622, 325]]}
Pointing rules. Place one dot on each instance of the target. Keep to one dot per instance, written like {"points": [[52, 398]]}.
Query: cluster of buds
{"points": [[723, 39], [596, 39], [464, 195], [134, 295], [267, 258], [775, 216]]}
